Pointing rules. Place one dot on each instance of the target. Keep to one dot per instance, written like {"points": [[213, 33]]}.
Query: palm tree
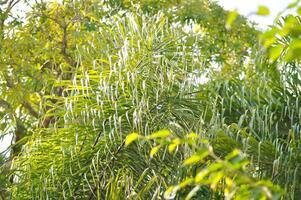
{"points": [[92, 72]]}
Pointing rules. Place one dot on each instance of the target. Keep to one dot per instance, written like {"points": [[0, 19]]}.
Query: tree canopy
{"points": [[171, 99]]}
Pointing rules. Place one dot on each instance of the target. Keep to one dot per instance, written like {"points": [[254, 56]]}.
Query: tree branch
{"points": [[30, 109], [4, 104]]}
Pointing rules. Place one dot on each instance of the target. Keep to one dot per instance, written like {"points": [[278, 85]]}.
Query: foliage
{"points": [[78, 76], [228, 178]]}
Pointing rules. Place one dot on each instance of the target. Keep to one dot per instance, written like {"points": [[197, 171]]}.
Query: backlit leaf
{"points": [[292, 5], [231, 18], [275, 52], [201, 175], [192, 160], [299, 10], [172, 147], [131, 138], [263, 10], [159, 134], [154, 150]]}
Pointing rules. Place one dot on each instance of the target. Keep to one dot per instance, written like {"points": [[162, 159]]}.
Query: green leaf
{"points": [[154, 150], [268, 38], [263, 10], [186, 182], [193, 135], [216, 178], [192, 160], [196, 158], [233, 154], [231, 18], [201, 175], [131, 138], [172, 147], [292, 5], [218, 166], [159, 134], [275, 52], [170, 193], [299, 10], [174, 144], [192, 192], [294, 50]]}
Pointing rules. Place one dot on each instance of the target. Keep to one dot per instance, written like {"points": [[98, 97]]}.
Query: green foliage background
{"points": [[78, 77]]}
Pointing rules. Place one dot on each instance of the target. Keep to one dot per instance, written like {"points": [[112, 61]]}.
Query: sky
{"points": [[247, 7], [244, 7]]}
